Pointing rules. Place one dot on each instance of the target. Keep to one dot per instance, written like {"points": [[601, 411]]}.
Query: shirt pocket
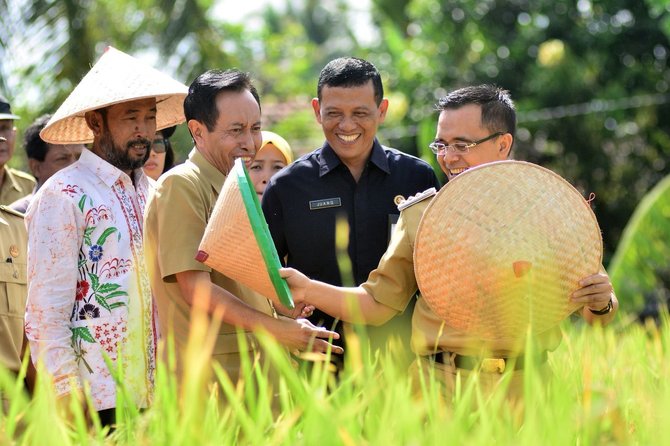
{"points": [[108, 334], [13, 283], [227, 343]]}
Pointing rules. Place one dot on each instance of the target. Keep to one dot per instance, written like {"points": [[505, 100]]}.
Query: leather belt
{"points": [[488, 365]]}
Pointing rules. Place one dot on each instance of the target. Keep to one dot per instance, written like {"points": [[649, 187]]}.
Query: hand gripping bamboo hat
{"points": [[237, 241], [115, 78], [502, 246]]}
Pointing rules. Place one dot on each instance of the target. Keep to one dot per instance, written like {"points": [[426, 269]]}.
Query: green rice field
{"points": [[607, 386]]}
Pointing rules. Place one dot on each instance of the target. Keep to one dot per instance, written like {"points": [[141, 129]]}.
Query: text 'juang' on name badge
{"points": [[325, 203]]}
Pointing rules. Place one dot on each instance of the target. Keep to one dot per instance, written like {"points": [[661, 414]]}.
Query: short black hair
{"points": [[350, 72], [200, 103], [498, 111], [36, 148]]}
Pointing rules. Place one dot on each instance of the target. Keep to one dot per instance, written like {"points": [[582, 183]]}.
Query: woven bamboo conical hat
{"points": [[116, 77], [502, 246], [237, 241]]}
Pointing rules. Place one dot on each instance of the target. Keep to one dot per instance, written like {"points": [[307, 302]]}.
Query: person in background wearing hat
{"points": [[89, 297], [44, 159], [162, 155], [14, 184], [223, 115], [351, 177], [274, 154], [476, 126], [13, 290]]}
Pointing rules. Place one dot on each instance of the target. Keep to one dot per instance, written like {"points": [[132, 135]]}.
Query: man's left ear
{"points": [[383, 108], [34, 166], [505, 145], [94, 121]]}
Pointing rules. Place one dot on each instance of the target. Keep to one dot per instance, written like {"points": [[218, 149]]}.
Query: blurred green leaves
{"points": [[578, 71]]}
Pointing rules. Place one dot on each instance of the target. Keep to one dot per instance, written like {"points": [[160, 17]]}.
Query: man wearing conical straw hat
{"points": [[14, 184], [223, 115], [475, 127], [89, 296]]}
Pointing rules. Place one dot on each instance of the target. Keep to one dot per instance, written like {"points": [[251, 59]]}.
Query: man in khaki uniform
{"points": [[476, 126], [13, 287], [223, 115], [14, 184]]}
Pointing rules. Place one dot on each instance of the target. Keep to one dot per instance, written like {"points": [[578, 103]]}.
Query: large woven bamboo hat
{"points": [[237, 240], [502, 246], [115, 78]]}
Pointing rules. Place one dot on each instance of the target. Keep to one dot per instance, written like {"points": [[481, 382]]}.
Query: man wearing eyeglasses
{"points": [[476, 126]]}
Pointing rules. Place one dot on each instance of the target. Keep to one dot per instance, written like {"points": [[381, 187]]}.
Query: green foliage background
{"points": [[640, 270], [590, 78]]}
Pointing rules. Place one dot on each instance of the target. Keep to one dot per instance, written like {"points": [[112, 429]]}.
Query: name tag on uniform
{"points": [[325, 203]]}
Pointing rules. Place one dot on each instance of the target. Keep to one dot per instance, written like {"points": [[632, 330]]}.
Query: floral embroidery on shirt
{"points": [[97, 214], [80, 334], [91, 214], [71, 189], [115, 268], [92, 295]]}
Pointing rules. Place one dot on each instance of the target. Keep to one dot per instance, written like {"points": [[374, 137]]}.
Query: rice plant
{"points": [[604, 386]]}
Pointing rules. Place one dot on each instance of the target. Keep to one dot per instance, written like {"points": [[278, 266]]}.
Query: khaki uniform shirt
{"points": [[13, 287], [15, 184], [175, 221], [393, 284]]}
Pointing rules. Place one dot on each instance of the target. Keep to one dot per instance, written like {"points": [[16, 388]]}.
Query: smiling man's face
{"points": [[237, 133], [126, 133], [349, 117], [463, 125]]}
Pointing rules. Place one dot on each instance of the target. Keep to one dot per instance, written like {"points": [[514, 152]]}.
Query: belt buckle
{"points": [[493, 365]]}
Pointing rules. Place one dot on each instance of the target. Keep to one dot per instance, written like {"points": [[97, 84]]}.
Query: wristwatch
{"points": [[605, 310]]}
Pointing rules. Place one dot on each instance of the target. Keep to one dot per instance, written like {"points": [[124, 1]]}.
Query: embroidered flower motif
{"points": [[71, 189], [95, 215], [95, 253], [82, 289], [115, 268], [89, 312]]}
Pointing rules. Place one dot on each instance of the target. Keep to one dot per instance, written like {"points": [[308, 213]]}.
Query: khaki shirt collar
{"points": [[210, 173], [12, 180]]}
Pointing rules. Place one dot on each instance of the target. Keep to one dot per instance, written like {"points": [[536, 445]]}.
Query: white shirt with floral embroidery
{"points": [[89, 296]]}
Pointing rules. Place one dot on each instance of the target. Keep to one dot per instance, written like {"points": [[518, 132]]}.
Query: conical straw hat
{"points": [[237, 241], [115, 78], [502, 246]]}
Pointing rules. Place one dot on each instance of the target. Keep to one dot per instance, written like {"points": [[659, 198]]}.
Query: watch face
{"points": [[605, 310]]}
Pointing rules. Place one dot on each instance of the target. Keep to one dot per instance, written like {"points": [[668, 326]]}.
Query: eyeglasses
{"points": [[158, 146], [459, 147]]}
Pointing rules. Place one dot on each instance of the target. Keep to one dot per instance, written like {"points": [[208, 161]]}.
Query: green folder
{"points": [[262, 233]]}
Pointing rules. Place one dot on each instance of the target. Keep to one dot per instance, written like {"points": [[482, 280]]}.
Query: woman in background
{"points": [[161, 158], [274, 154]]}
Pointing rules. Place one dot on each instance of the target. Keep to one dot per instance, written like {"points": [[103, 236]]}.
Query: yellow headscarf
{"points": [[279, 142]]}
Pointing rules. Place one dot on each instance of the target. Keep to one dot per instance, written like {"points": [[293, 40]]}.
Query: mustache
{"points": [[144, 141]]}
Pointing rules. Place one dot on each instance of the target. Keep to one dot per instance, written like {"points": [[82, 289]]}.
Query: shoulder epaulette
{"points": [[414, 199], [22, 174], [11, 211]]}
